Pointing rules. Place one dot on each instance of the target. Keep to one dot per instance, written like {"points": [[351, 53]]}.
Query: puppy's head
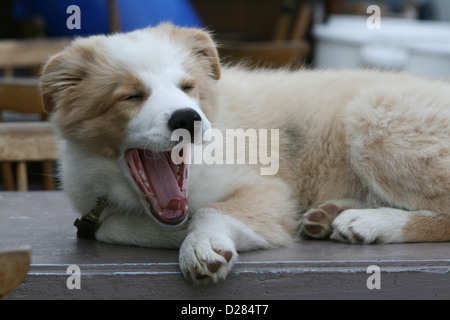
{"points": [[105, 91], [121, 97]]}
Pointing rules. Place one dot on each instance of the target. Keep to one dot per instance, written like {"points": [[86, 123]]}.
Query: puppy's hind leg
{"points": [[388, 225], [399, 147]]}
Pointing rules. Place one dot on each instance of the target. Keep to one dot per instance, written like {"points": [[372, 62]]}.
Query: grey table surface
{"points": [[306, 270]]}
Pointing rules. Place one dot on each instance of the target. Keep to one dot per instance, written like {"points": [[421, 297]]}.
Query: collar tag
{"points": [[88, 224]]}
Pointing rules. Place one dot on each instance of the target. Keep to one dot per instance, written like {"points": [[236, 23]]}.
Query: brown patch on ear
{"points": [[48, 82], [62, 71], [91, 111], [427, 228], [200, 43], [209, 50]]}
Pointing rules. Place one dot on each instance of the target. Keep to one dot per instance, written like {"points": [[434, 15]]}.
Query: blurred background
{"points": [[403, 35], [414, 34]]}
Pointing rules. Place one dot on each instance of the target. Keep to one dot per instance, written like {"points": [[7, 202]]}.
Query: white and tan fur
{"points": [[364, 155]]}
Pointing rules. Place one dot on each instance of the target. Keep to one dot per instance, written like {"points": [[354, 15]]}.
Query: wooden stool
{"points": [[14, 266]]}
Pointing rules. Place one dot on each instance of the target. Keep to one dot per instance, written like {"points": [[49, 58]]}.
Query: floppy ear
{"points": [[200, 43], [62, 72], [204, 46]]}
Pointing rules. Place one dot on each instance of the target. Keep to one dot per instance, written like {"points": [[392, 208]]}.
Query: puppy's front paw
{"points": [[205, 258]]}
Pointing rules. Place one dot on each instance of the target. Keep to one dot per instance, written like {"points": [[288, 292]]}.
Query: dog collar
{"points": [[89, 222]]}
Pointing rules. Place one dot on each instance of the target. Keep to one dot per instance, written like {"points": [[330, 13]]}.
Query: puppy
{"points": [[358, 156]]}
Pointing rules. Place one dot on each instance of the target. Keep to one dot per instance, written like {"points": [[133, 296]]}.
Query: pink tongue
{"points": [[163, 181]]}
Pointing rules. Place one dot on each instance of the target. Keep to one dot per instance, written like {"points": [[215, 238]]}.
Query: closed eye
{"points": [[187, 86], [137, 96]]}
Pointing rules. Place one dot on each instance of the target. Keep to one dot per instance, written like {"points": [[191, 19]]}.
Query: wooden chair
{"points": [[287, 47], [14, 266], [30, 53], [23, 142], [262, 33], [266, 54], [21, 95]]}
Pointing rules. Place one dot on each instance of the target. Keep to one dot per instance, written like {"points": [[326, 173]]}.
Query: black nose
{"points": [[184, 119]]}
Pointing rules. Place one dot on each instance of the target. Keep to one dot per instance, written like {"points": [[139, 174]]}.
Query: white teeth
{"points": [[143, 175]]}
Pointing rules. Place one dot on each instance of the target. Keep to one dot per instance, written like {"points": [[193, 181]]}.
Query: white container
{"points": [[441, 10], [415, 46]]}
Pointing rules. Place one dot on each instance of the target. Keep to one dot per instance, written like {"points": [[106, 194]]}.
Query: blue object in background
{"points": [[94, 15], [137, 14], [133, 14]]}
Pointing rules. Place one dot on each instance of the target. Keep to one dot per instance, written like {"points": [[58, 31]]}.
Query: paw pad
{"points": [[317, 222], [204, 260], [214, 265]]}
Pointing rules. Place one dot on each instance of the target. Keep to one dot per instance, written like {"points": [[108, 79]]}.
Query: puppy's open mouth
{"points": [[162, 183]]}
